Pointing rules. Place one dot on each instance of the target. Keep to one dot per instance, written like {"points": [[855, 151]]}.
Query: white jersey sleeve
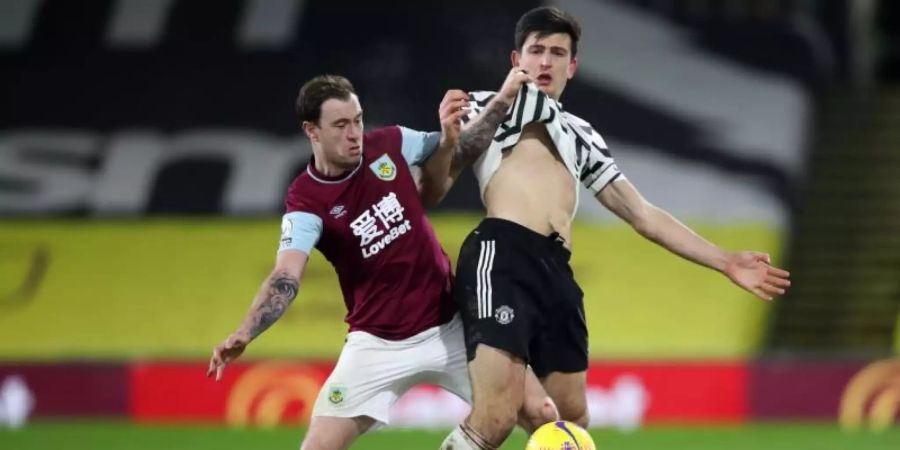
{"points": [[598, 168]]}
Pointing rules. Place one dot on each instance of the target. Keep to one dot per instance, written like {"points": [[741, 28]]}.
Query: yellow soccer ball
{"points": [[560, 435]]}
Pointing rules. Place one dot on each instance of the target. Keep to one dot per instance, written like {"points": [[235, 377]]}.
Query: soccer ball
{"points": [[560, 435]]}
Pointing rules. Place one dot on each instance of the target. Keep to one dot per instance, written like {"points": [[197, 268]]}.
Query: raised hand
{"points": [[453, 107], [514, 80]]}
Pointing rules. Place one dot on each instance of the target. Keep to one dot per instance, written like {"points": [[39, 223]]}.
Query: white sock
{"points": [[457, 440]]}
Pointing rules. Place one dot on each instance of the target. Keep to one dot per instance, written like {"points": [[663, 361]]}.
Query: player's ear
{"points": [[573, 64], [514, 58], [311, 131]]}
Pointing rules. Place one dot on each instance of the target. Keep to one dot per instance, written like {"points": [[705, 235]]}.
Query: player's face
{"points": [[549, 60], [340, 131]]}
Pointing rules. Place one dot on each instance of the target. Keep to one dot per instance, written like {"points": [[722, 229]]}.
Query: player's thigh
{"points": [[498, 379], [448, 362], [366, 381], [568, 393], [335, 433]]}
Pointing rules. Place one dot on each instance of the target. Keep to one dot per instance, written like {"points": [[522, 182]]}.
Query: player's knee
{"points": [[574, 411], [536, 412]]}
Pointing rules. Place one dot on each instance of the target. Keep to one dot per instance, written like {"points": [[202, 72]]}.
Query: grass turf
{"points": [[122, 436]]}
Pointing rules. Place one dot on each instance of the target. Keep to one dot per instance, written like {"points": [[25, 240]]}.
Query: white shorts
{"points": [[372, 373]]}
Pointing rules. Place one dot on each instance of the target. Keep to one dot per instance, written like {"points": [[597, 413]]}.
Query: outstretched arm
{"points": [[272, 300], [751, 271]]}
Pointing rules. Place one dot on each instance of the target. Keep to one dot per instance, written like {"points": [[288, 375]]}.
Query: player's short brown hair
{"points": [[547, 20], [318, 90]]}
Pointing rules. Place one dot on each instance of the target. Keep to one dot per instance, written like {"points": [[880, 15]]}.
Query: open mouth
{"points": [[544, 79]]}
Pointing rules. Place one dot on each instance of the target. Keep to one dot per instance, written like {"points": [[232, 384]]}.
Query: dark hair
{"points": [[547, 20], [317, 91]]}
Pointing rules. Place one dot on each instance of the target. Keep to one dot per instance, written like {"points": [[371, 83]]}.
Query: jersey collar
{"points": [[318, 176]]}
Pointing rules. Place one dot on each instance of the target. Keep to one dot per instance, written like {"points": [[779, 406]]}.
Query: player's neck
{"points": [[327, 168]]}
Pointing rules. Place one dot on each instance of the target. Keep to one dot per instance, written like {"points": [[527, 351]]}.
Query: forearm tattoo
{"points": [[475, 139], [282, 291]]}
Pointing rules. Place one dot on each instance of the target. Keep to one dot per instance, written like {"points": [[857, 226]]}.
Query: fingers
{"points": [[513, 83], [454, 104], [452, 112], [453, 100], [454, 107], [771, 289], [520, 77], [762, 257], [761, 294], [455, 94], [220, 358], [774, 271], [215, 362], [778, 281], [456, 116]]}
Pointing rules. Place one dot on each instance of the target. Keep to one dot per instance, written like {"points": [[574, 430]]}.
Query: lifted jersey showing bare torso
{"points": [[528, 174]]}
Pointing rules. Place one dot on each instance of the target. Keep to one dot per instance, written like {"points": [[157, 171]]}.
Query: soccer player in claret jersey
{"points": [[359, 205], [520, 303]]}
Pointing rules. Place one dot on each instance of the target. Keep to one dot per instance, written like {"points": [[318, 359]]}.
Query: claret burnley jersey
{"points": [[371, 225]]}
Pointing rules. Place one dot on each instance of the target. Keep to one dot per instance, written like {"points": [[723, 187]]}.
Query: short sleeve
{"points": [[600, 169], [300, 231], [417, 146]]}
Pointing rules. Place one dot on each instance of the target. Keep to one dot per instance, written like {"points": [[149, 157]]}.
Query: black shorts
{"points": [[515, 291]]}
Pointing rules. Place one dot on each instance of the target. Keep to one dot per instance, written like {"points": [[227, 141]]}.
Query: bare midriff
{"points": [[533, 187]]}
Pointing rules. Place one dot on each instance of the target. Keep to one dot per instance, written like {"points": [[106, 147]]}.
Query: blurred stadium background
{"points": [[145, 146]]}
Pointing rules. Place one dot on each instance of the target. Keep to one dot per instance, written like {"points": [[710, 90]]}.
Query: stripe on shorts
{"points": [[483, 285]]}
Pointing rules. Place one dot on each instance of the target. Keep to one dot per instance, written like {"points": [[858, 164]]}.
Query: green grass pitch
{"points": [[125, 436]]}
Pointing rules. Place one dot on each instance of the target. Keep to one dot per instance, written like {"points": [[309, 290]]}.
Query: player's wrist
{"points": [[243, 333], [725, 261], [502, 101]]}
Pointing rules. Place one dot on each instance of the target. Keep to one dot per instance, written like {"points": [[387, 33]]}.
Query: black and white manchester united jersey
{"points": [[579, 145]]}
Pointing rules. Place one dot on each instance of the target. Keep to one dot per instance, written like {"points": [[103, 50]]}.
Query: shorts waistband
{"points": [[509, 230]]}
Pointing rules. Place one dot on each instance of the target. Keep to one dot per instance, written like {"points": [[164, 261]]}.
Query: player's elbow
{"points": [[642, 220], [433, 193]]}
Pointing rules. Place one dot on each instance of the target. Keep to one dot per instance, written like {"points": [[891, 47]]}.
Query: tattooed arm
{"points": [[474, 139], [275, 295]]}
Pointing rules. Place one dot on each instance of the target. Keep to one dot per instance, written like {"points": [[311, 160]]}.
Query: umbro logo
{"points": [[338, 211]]}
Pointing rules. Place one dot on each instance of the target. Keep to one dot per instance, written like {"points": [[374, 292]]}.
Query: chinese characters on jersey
{"points": [[380, 225]]}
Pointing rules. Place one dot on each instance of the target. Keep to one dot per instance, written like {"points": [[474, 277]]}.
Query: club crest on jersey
{"points": [[384, 168]]}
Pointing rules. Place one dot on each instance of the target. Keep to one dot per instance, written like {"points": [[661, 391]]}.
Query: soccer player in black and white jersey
{"points": [[515, 288]]}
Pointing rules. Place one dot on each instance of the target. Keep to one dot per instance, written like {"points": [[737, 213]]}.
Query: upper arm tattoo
{"points": [[281, 293]]}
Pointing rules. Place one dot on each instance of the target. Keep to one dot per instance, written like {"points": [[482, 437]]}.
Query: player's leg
{"points": [[335, 433], [498, 382], [494, 298], [538, 406], [568, 390], [560, 354], [358, 394], [449, 362]]}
